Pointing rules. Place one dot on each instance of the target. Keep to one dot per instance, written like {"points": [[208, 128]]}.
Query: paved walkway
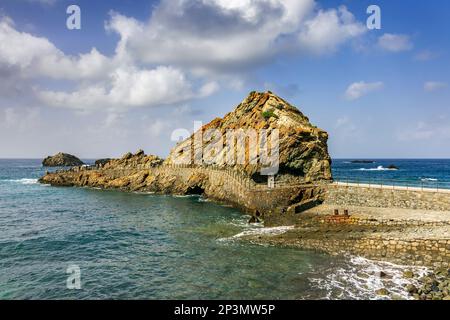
{"points": [[385, 213], [391, 187]]}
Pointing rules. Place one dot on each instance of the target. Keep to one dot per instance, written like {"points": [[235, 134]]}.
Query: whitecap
{"points": [[361, 278], [273, 231], [24, 181], [379, 168], [429, 179]]}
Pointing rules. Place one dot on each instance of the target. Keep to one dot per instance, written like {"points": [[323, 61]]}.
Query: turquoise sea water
{"points": [[144, 246]]}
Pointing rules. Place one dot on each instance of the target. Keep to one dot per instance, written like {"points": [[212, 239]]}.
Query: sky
{"points": [[139, 69]]}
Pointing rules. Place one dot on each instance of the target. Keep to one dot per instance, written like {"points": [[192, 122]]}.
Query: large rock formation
{"points": [[303, 152], [62, 160], [302, 161]]}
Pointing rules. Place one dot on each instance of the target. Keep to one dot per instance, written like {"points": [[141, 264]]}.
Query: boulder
{"points": [[62, 160], [102, 162]]}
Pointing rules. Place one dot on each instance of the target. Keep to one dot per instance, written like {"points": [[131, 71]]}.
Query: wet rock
{"points": [[408, 274], [253, 219], [412, 289], [434, 286], [382, 292]]}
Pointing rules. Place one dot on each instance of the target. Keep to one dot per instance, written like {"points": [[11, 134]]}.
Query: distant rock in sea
{"points": [[62, 160], [392, 167], [362, 161]]}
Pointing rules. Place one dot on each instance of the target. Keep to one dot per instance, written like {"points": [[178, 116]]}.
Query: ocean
{"points": [[146, 246], [429, 173]]}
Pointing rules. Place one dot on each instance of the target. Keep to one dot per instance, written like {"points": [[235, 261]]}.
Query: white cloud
{"points": [[226, 36], [45, 2], [130, 88], [184, 51], [328, 29], [431, 86], [425, 55], [436, 131], [358, 89], [395, 42], [19, 120], [109, 83], [35, 57]]}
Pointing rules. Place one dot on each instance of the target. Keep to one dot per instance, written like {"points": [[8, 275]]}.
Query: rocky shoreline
{"points": [[435, 285]]}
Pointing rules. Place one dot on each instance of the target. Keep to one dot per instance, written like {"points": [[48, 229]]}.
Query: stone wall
{"points": [[343, 195], [230, 187], [420, 252]]}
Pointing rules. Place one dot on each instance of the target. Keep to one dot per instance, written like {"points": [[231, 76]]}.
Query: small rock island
{"points": [[62, 160]]}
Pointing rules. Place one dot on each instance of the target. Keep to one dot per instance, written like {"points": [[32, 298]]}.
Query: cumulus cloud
{"points": [[326, 31], [222, 36], [395, 42], [183, 51], [35, 57], [130, 88], [109, 83], [359, 89], [431, 86]]}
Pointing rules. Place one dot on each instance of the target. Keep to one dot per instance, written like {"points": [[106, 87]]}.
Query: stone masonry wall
{"points": [[387, 198], [420, 252], [228, 186]]}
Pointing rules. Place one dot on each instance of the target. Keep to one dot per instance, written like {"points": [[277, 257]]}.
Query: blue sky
{"points": [[160, 65]]}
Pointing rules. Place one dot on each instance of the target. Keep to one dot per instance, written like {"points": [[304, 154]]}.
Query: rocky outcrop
{"points": [[302, 158], [303, 153], [61, 160], [102, 162]]}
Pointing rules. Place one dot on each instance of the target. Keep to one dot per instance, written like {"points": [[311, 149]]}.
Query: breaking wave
{"points": [[24, 181], [379, 168], [259, 230], [361, 278], [428, 179]]}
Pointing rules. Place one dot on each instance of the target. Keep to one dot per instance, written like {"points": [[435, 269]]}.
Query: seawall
{"points": [[342, 195], [223, 185]]}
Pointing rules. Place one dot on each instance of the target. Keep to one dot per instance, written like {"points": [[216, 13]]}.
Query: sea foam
{"points": [[379, 168], [24, 181], [361, 278]]}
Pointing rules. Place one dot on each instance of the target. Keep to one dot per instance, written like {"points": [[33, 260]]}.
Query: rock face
{"points": [[303, 152], [302, 159], [101, 162], [62, 160]]}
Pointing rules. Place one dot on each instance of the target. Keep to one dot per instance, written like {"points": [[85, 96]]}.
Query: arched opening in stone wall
{"points": [[195, 190], [258, 178]]}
